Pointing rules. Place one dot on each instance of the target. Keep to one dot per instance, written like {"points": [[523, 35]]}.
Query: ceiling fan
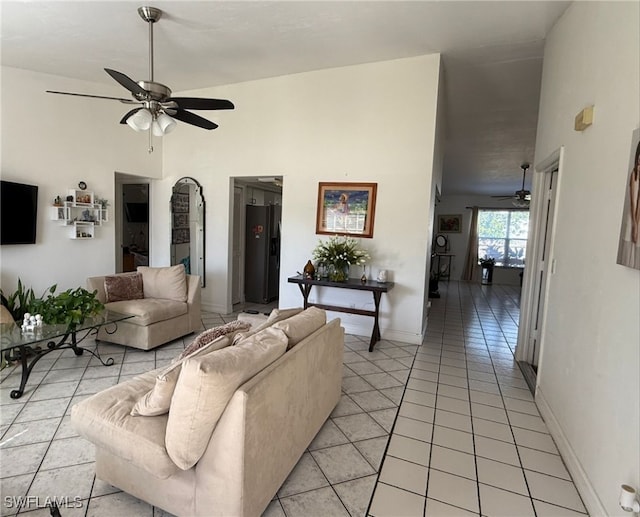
{"points": [[157, 108], [522, 197]]}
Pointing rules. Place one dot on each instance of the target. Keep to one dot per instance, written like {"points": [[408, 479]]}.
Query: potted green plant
{"points": [[487, 265]]}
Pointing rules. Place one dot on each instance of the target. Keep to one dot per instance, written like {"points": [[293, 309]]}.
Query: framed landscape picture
{"points": [[450, 223], [346, 209]]}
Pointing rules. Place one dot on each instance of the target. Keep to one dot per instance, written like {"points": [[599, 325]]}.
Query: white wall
{"points": [[54, 141], [368, 123], [588, 377], [458, 242]]}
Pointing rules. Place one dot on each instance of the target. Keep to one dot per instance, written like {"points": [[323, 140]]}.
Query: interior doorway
{"points": [[134, 218], [255, 247], [540, 267]]}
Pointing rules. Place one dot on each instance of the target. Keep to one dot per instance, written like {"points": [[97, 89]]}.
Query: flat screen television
{"points": [[137, 212], [18, 213]]}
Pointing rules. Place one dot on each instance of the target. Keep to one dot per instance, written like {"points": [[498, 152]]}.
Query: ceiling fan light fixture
{"points": [[521, 203], [163, 124], [141, 120]]}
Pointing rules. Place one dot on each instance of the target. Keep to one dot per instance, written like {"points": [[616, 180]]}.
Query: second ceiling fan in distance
{"points": [[522, 197], [157, 109]]}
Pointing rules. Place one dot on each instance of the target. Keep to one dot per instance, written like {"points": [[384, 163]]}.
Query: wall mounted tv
{"points": [[18, 213]]}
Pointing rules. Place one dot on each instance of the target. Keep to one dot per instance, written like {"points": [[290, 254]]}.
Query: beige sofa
{"points": [[265, 427], [169, 309]]}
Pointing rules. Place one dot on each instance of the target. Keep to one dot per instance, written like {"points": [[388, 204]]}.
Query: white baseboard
{"points": [[392, 335], [580, 479]]}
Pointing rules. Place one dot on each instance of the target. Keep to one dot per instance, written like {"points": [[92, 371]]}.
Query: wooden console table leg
{"points": [[305, 290], [375, 334]]}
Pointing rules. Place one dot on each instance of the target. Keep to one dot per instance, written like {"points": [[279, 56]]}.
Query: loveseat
{"points": [[164, 300], [263, 428]]}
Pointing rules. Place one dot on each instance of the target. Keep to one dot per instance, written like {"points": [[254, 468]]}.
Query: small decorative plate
{"points": [[82, 185]]}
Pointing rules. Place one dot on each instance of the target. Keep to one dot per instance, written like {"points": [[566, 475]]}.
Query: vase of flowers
{"points": [[337, 254]]}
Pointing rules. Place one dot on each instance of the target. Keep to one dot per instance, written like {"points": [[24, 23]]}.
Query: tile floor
{"points": [[467, 439]]}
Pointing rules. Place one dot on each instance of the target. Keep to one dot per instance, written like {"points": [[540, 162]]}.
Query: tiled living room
{"points": [[467, 440]]}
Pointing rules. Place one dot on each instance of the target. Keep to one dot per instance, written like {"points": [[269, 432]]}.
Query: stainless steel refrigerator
{"points": [[262, 253]]}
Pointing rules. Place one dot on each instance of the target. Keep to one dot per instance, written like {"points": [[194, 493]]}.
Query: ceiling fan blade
{"points": [[126, 101], [124, 119], [193, 119], [195, 103], [128, 83]]}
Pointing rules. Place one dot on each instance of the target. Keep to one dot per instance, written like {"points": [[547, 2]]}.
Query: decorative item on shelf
{"points": [[363, 278], [487, 265], [69, 199], [82, 185], [309, 270], [57, 201], [382, 276], [337, 254]]}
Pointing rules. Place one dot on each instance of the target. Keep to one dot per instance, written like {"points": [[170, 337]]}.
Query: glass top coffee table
{"points": [[29, 347]]}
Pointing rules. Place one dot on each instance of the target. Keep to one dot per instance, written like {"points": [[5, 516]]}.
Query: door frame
{"points": [[528, 305]]}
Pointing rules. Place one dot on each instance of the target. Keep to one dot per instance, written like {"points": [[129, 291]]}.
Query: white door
{"points": [[543, 267]]}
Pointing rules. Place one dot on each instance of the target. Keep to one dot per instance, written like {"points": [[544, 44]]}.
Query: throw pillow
{"points": [[124, 286], [275, 316], [158, 400], [205, 386], [169, 283], [302, 325], [208, 336]]}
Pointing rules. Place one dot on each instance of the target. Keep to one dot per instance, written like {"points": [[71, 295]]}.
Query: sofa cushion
{"points": [[206, 337], [105, 420], [150, 310], [260, 324], [302, 325], [157, 400], [169, 283], [124, 286], [204, 388]]}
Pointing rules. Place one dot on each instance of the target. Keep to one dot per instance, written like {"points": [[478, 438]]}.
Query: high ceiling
{"points": [[492, 55]]}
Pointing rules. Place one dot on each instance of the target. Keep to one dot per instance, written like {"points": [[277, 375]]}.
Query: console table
{"points": [[377, 288], [20, 346]]}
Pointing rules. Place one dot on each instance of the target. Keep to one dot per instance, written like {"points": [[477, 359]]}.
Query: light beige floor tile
{"points": [[424, 375], [497, 450], [453, 420], [385, 418], [534, 440], [20, 460], [342, 463], [492, 430], [543, 462], [453, 405], [501, 475], [389, 501], [495, 414], [403, 474], [43, 409], [531, 422], [328, 436], [417, 412], [382, 380], [355, 385], [453, 392], [554, 490], [356, 494], [373, 450], [454, 462], [68, 451], [346, 406], [549, 510], [488, 399], [65, 482], [500, 503], [273, 510], [452, 380], [364, 367], [13, 490], [521, 406], [394, 394], [420, 397], [30, 432], [409, 449], [323, 501], [306, 475], [453, 439], [438, 509], [359, 427], [453, 490], [372, 400], [413, 429], [420, 385]]}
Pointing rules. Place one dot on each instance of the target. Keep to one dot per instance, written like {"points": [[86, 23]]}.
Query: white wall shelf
{"points": [[81, 214]]}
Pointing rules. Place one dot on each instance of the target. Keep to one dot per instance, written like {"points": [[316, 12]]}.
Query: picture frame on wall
{"points": [[346, 209], [450, 223]]}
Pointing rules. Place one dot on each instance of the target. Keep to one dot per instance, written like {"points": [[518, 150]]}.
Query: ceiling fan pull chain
{"points": [[150, 150]]}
